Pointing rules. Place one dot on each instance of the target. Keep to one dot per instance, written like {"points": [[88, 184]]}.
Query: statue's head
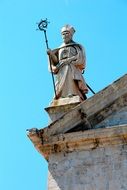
{"points": [[67, 32]]}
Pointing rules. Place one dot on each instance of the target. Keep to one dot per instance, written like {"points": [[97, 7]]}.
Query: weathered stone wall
{"points": [[117, 118], [95, 169]]}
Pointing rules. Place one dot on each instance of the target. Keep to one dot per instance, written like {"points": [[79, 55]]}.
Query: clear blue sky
{"points": [[25, 83]]}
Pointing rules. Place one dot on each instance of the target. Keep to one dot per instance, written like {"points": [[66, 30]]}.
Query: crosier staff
{"points": [[42, 25]]}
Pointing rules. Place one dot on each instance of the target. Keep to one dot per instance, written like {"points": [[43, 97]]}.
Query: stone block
{"points": [[61, 106]]}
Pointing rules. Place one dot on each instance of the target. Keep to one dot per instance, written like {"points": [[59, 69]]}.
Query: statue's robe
{"points": [[69, 79]]}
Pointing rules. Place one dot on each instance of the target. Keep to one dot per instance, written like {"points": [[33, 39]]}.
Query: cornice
{"points": [[77, 141]]}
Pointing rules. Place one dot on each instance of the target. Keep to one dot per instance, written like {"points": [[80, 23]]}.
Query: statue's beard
{"points": [[66, 40]]}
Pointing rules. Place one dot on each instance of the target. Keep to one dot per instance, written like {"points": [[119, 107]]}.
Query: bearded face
{"points": [[67, 37]]}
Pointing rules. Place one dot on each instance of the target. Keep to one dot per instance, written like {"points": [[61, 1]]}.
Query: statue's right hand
{"points": [[54, 69]]}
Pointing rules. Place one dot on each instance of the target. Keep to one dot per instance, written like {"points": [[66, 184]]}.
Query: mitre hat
{"points": [[68, 28]]}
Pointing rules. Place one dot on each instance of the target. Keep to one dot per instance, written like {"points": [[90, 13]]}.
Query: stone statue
{"points": [[68, 62]]}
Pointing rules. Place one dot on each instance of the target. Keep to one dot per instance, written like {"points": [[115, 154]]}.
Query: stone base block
{"points": [[61, 106]]}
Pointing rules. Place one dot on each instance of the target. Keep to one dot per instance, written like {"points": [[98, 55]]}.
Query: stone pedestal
{"points": [[61, 106]]}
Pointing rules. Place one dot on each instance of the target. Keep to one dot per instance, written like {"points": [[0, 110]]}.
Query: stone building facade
{"points": [[86, 144]]}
